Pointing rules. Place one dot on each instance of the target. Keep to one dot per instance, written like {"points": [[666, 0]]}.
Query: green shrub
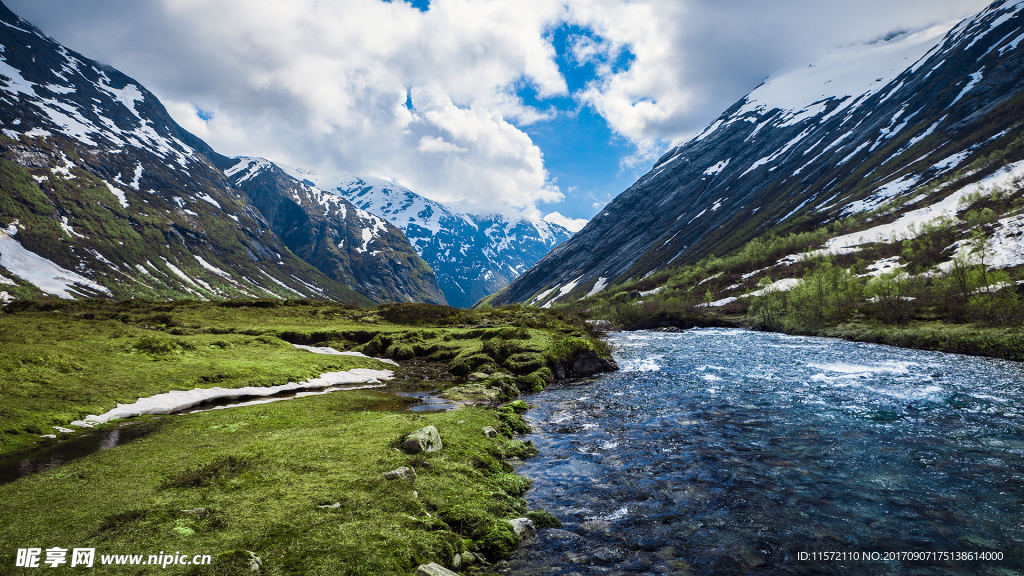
{"points": [[519, 406], [566, 348], [376, 346], [530, 383], [512, 485], [400, 352], [501, 349], [543, 519], [161, 346]]}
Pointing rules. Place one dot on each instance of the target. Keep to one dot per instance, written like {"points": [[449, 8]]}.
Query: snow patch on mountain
{"points": [[45, 274]]}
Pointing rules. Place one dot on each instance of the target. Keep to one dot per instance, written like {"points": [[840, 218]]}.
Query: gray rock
{"points": [[255, 563], [457, 561], [490, 432], [583, 365], [524, 528], [423, 440], [403, 473], [433, 570], [469, 558], [478, 376]]}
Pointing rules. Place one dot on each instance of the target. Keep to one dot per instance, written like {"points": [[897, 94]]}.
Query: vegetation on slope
{"points": [[933, 288]]}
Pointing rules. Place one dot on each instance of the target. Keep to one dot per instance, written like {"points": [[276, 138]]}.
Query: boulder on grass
{"points": [[490, 432], [423, 440], [404, 473]]}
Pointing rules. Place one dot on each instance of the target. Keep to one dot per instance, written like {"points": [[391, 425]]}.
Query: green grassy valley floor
{"points": [[288, 487]]}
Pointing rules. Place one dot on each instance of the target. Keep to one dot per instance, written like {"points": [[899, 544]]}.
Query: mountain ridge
{"points": [[762, 168], [473, 255], [106, 195]]}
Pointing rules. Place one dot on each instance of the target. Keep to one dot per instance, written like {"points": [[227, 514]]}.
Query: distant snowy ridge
{"points": [[344, 241], [472, 255]]}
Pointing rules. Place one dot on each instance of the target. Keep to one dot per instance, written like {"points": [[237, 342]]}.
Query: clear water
{"points": [[725, 451]]}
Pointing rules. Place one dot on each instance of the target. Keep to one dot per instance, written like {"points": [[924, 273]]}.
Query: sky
{"points": [[532, 107]]}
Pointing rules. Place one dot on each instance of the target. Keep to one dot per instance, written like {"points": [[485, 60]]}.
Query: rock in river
{"points": [[524, 528]]}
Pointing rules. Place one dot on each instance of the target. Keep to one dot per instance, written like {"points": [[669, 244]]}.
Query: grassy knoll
{"points": [[298, 483], [60, 361], [253, 478]]}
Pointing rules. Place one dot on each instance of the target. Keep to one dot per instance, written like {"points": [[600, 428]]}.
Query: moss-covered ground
{"points": [[297, 483]]}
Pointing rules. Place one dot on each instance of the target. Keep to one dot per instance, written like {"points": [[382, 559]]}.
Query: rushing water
{"points": [[725, 451]]}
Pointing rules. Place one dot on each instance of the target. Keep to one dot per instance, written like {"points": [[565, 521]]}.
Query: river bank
{"points": [[1003, 342], [288, 487]]}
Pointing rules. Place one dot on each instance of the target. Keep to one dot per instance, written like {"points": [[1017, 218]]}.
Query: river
{"points": [[720, 451]]}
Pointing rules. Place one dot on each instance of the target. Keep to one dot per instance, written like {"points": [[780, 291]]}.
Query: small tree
{"points": [[893, 292], [770, 307]]}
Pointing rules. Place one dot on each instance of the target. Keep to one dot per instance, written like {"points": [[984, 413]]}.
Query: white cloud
{"points": [[571, 224], [693, 59], [327, 85]]}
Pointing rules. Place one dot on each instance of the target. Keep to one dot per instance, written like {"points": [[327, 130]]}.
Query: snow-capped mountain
{"points": [[338, 238], [103, 194], [472, 255], [865, 125]]}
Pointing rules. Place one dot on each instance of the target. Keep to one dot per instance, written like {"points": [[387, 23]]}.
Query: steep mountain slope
{"points": [[886, 122], [472, 255], [346, 243], [103, 194]]}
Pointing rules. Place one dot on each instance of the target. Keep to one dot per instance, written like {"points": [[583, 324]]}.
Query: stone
{"points": [[404, 473], [490, 432], [583, 365], [457, 561], [478, 376], [468, 558], [423, 440], [524, 528], [433, 569]]}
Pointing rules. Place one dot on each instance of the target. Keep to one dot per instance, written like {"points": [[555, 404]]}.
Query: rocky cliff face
{"points": [[348, 244], [867, 125], [472, 255], [103, 194]]}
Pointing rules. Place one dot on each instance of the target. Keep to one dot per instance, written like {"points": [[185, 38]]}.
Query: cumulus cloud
{"points": [[431, 99], [692, 59], [571, 224]]}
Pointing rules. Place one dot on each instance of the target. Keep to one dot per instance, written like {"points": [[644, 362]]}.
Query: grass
{"points": [[253, 478], [298, 485]]}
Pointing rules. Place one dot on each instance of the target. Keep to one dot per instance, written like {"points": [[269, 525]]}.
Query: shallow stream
{"points": [[718, 451]]}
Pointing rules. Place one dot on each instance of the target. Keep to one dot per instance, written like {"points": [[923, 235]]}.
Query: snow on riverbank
{"points": [[178, 400], [332, 351]]}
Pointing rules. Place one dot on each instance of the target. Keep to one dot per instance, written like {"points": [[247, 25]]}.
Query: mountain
{"points": [[338, 238], [885, 123], [472, 255], [103, 194]]}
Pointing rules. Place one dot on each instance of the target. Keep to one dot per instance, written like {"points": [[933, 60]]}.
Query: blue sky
{"points": [[532, 107]]}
